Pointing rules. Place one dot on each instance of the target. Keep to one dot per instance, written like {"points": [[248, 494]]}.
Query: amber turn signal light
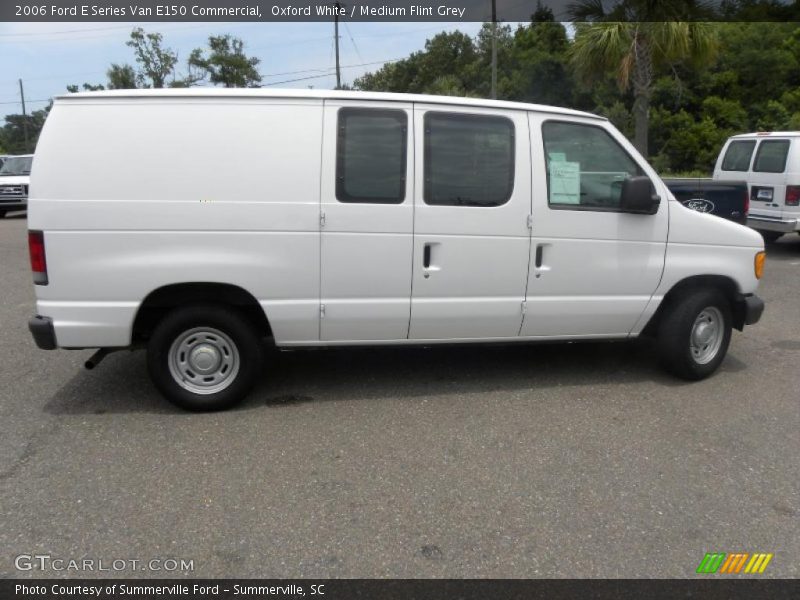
{"points": [[759, 263]]}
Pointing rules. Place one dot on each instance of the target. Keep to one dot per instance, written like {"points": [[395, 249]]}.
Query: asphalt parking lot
{"points": [[579, 460]]}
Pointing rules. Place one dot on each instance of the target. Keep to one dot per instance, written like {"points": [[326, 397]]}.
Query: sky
{"points": [[50, 56]]}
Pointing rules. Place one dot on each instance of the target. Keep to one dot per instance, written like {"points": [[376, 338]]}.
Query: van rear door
{"points": [[366, 220], [768, 178]]}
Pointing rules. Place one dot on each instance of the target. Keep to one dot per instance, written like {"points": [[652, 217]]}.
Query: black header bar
{"points": [[393, 10]]}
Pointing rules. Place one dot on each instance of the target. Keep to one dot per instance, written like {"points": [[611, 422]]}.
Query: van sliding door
{"points": [[471, 239]]}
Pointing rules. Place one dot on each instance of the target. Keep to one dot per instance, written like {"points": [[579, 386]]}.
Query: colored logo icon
{"points": [[738, 562]]}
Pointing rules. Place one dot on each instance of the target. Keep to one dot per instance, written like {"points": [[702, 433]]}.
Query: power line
{"points": [[352, 40], [89, 29], [27, 101], [107, 34], [331, 72], [323, 73]]}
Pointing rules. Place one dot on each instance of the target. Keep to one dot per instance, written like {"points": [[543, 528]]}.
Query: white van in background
{"points": [[15, 179], [770, 163], [199, 221]]}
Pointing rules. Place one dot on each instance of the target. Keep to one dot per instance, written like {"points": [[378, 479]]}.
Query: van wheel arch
{"points": [[161, 301], [727, 286]]}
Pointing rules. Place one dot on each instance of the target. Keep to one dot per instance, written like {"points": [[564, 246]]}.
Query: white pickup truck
{"points": [[199, 222]]}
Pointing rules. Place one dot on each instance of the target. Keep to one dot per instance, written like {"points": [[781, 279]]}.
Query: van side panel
{"points": [[135, 194], [693, 234]]}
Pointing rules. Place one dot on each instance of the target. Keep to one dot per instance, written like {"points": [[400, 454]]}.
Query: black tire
{"points": [[243, 342], [2, 214], [675, 334], [770, 237]]}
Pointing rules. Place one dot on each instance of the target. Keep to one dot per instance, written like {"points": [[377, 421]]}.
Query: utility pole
{"points": [[338, 7], [24, 116], [494, 49]]}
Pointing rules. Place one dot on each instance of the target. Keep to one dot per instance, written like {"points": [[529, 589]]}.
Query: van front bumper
{"points": [[749, 309], [42, 331], [772, 224]]}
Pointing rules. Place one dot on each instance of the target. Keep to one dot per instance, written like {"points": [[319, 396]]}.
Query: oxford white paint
{"points": [[138, 190]]}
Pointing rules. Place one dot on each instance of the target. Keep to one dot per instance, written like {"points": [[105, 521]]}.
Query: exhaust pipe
{"points": [[95, 359]]}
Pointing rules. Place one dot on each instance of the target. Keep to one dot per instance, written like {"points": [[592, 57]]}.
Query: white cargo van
{"points": [[770, 163], [198, 222]]}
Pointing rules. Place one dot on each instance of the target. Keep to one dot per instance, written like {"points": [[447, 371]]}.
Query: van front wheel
{"points": [[694, 334], [204, 357]]}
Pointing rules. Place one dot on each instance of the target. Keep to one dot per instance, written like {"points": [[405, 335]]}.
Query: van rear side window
{"points": [[737, 158], [469, 159], [771, 156], [371, 156]]}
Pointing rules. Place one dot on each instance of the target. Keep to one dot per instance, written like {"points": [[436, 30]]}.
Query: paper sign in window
{"points": [[565, 182]]}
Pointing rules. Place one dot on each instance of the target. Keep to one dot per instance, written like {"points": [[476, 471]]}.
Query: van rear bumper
{"points": [[42, 331], [14, 206], [772, 223]]}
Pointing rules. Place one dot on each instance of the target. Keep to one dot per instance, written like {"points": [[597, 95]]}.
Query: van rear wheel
{"points": [[694, 334], [204, 358]]}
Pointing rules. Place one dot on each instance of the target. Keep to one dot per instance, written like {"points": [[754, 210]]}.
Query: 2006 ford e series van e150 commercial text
{"points": [[199, 222]]}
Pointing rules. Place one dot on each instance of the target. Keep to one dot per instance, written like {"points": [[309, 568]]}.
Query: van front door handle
{"points": [[426, 256], [539, 253]]}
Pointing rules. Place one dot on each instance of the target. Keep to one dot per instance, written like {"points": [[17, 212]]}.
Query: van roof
{"points": [[209, 92], [762, 134]]}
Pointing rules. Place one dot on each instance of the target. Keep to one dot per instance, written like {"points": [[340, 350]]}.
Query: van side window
{"points": [[585, 166], [737, 158], [469, 159], [771, 156], [371, 156]]}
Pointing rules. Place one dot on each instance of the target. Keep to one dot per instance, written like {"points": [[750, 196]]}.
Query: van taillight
{"points": [[793, 195], [38, 260]]}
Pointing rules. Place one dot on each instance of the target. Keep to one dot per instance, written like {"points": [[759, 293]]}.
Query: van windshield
{"points": [[17, 165]]}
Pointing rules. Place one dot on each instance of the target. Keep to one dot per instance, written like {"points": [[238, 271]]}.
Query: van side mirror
{"points": [[638, 196]]}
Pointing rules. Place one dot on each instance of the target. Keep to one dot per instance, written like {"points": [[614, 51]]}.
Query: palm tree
{"points": [[635, 39]]}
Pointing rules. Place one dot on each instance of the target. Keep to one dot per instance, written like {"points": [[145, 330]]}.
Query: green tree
{"points": [[637, 48], [448, 85], [88, 87], [446, 53], [227, 63], [156, 63], [538, 70], [121, 77], [12, 135]]}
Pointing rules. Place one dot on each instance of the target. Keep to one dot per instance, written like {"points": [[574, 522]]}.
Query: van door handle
{"points": [[539, 253], [426, 256]]}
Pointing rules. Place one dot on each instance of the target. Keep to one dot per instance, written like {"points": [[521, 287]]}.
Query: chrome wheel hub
{"points": [[707, 333], [203, 360]]}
